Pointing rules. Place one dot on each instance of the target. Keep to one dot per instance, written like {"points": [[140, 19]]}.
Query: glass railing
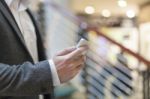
{"points": [[112, 71]]}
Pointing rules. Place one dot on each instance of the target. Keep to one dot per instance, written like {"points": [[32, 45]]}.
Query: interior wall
{"points": [[64, 3], [144, 15], [60, 31]]}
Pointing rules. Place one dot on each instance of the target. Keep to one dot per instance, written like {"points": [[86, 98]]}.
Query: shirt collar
{"points": [[19, 5]]}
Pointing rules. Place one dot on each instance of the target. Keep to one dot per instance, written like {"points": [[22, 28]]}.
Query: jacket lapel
{"points": [[11, 21], [41, 50]]}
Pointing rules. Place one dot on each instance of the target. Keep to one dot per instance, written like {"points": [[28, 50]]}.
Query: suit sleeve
{"points": [[25, 79]]}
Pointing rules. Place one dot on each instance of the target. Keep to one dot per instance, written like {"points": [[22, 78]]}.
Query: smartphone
{"points": [[82, 42]]}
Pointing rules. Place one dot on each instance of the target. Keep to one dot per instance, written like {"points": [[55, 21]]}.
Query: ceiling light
{"points": [[122, 3], [89, 10], [106, 13], [130, 14]]}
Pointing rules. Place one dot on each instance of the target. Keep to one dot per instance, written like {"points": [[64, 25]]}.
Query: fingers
{"points": [[77, 52], [79, 59], [75, 65], [80, 67], [67, 68], [77, 70], [66, 51]]}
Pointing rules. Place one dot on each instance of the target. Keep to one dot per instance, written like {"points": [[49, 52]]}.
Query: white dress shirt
{"points": [[18, 9]]}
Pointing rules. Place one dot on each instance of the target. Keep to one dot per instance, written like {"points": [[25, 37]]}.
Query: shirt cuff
{"points": [[55, 77]]}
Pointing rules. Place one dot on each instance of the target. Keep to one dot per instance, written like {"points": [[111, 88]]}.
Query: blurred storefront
{"points": [[118, 31]]}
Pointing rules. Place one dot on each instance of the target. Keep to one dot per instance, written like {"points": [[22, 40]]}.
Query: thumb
{"points": [[77, 52], [66, 51]]}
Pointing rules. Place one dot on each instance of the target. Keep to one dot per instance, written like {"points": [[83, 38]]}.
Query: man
{"points": [[24, 72]]}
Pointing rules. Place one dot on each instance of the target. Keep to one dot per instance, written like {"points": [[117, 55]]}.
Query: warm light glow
{"points": [[122, 3], [130, 14], [89, 10], [106, 13]]}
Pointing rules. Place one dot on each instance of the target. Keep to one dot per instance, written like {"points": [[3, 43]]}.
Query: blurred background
{"points": [[118, 32]]}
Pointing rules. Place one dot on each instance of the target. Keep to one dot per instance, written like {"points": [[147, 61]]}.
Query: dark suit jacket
{"points": [[20, 78]]}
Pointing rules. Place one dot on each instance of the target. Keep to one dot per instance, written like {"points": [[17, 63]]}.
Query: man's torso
{"points": [[13, 48]]}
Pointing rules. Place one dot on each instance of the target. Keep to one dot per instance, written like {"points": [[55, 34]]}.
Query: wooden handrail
{"points": [[136, 55]]}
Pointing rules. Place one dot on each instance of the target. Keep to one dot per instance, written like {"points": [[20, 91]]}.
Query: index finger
{"points": [[78, 52]]}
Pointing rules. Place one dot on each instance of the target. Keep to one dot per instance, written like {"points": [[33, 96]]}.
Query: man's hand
{"points": [[69, 62]]}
